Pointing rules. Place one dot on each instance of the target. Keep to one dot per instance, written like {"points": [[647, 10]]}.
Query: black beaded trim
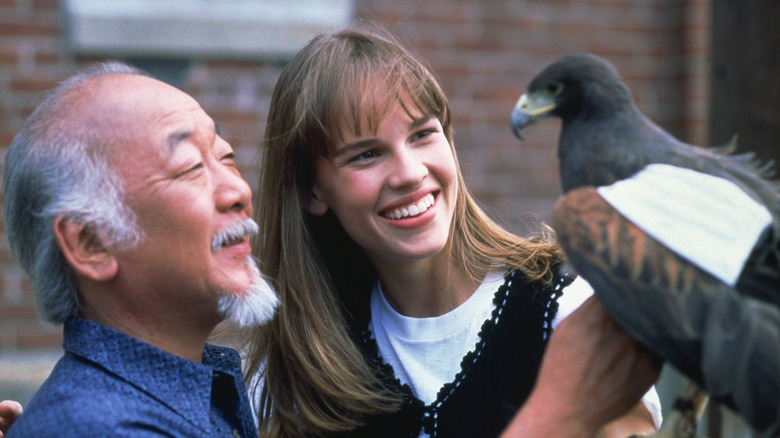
{"points": [[430, 412], [387, 374], [561, 282]]}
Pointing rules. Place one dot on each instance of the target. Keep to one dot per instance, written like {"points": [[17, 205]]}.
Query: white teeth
{"points": [[413, 209]]}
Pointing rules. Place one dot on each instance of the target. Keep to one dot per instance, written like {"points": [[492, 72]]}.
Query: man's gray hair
{"points": [[57, 166]]}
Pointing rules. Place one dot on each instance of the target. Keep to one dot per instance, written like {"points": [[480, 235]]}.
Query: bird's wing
{"points": [[726, 343], [652, 292], [672, 234], [761, 275], [744, 170], [707, 219]]}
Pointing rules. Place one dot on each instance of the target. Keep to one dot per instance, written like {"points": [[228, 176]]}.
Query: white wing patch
{"points": [[706, 219]]}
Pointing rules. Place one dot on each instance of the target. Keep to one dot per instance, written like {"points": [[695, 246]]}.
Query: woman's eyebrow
{"points": [[365, 142], [416, 123]]}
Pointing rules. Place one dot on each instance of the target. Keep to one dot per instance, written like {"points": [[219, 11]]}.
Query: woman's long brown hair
{"points": [[314, 377]]}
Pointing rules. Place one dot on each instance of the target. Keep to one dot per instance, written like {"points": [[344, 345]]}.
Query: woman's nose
{"points": [[409, 168]]}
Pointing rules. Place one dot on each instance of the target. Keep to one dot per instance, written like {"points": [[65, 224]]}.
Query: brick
{"points": [[8, 56], [34, 84], [6, 256], [45, 4], [48, 57], [10, 313], [40, 337], [28, 29]]}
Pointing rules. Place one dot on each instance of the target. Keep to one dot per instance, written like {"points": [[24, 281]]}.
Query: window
{"points": [[199, 28]]}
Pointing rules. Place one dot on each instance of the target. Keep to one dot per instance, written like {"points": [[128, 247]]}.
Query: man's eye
{"points": [[189, 170]]}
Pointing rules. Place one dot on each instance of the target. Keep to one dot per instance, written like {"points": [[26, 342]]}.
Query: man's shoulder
{"points": [[74, 377], [72, 418], [82, 399], [108, 413]]}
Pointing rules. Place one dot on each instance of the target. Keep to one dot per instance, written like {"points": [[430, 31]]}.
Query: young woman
{"points": [[406, 310]]}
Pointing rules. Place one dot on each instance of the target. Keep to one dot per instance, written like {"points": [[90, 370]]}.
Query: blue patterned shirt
{"points": [[110, 384]]}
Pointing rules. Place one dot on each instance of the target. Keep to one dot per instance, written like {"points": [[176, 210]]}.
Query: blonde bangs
{"points": [[348, 94]]}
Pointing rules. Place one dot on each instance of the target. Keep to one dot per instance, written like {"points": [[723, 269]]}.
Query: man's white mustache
{"points": [[233, 233]]}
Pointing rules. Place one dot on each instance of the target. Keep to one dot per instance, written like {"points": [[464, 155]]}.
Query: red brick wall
{"points": [[484, 51]]}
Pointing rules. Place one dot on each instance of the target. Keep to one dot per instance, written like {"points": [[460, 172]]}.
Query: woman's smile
{"points": [[411, 210]]}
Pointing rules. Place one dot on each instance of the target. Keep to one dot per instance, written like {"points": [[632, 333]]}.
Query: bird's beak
{"points": [[530, 108]]}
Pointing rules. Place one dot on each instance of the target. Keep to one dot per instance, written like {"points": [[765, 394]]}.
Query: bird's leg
{"points": [[688, 407]]}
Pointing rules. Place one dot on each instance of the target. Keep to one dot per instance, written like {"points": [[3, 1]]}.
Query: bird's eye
{"points": [[554, 88]]}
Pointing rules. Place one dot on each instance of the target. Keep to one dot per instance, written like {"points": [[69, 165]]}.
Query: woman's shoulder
{"points": [[565, 293], [572, 297]]}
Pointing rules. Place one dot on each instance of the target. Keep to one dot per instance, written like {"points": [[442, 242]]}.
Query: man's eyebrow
{"points": [[183, 134], [177, 137]]}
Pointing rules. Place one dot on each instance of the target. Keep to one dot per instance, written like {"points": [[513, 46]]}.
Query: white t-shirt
{"points": [[426, 353]]}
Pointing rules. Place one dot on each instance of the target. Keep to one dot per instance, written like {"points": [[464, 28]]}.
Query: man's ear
{"points": [[314, 205], [82, 248]]}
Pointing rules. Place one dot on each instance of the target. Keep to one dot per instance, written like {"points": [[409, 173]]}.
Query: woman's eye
{"points": [[363, 156], [422, 134]]}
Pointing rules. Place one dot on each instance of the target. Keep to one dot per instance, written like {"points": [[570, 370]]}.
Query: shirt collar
{"points": [[179, 383]]}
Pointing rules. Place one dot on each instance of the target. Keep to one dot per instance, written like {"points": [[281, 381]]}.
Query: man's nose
{"points": [[232, 190]]}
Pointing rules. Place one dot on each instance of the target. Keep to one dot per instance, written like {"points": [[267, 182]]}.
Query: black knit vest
{"points": [[495, 378]]}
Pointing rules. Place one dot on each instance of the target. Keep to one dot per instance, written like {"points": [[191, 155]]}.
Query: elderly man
{"points": [[126, 209]]}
